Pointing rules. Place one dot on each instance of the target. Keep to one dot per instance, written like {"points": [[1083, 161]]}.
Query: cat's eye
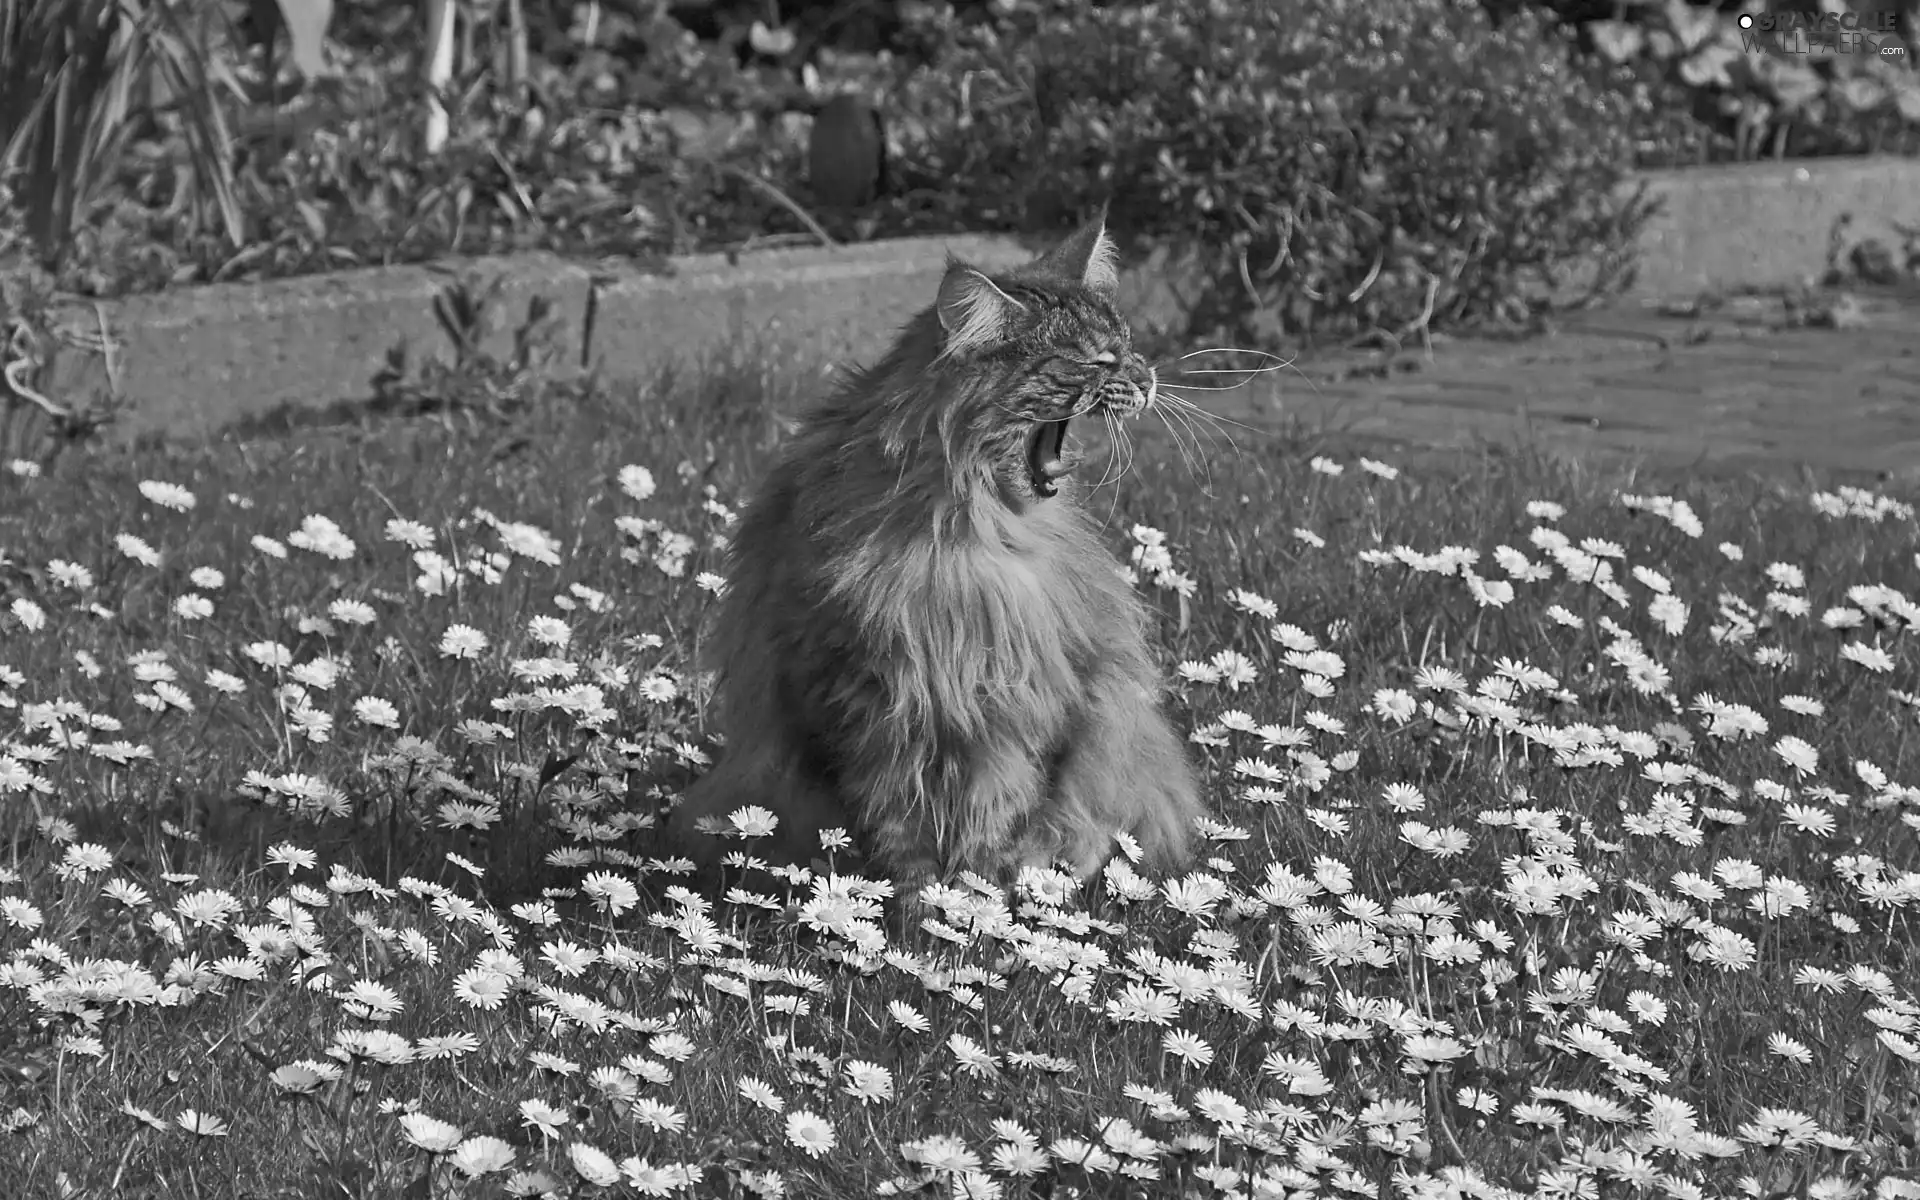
{"points": [[1105, 358]]}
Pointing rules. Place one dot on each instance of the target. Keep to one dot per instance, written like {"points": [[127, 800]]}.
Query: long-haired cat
{"points": [[922, 638]]}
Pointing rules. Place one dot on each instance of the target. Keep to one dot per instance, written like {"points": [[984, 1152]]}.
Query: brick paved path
{"points": [[1729, 386]]}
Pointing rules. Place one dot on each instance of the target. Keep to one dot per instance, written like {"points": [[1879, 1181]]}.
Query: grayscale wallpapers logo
{"points": [[1875, 34]]}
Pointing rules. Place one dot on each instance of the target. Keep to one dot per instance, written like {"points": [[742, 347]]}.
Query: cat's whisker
{"points": [[1168, 408], [1189, 446], [1228, 350], [1119, 461], [1247, 371], [1242, 375], [1127, 454], [1274, 362], [1179, 414], [1091, 404], [1120, 448], [1195, 433], [1116, 438], [1246, 376], [1204, 387], [1281, 365], [1188, 407]]}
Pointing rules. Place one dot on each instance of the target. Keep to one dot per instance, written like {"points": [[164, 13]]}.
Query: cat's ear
{"points": [[1088, 257], [974, 313]]}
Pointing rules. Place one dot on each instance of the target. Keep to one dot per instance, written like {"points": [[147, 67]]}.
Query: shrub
{"points": [[1337, 169], [1333, 168], [1730, 93], [344, 184], [282, 174]]}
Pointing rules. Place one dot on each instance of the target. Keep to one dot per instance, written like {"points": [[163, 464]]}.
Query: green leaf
{"points": [[1710, 66], [1792, 84], [772, 42], [1617, 41], [1906, 98], [1862, 93], [1693, 26], [316, 221]]}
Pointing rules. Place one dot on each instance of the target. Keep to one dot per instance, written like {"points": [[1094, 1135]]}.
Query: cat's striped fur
{"points": [[922, 637]]}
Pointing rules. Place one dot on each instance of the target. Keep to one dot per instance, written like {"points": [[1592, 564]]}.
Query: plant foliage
{"points": [[1330, 169], [81, 79], [1791, 94], [1338, 168]]}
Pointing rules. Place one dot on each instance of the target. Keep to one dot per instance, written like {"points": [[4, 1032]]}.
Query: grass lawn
{"points": [[1563, 842]]}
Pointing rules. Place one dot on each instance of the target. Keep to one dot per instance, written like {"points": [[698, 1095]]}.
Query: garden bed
{"points": [[1459, 175]]}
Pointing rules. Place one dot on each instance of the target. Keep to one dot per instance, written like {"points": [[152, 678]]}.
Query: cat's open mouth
{"points": [[1046, 456]]}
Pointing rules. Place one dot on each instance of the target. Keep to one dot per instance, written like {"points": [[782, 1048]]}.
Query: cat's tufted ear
{"points": [[974, 313], [1088, 257]]}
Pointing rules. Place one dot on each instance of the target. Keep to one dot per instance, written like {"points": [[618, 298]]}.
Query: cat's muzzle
{"points": [[1047, 457]]}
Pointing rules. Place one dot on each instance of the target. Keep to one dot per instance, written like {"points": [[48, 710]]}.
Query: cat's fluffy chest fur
{"points": [[979, 627], [922, 637]]}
